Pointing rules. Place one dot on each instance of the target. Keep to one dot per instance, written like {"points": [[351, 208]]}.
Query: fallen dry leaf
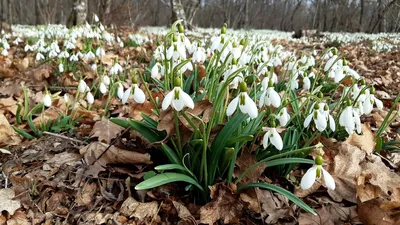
{"points": [[6, 201], [183, 212], [365, 141], [243, 162], [85, 195], [113, 155], [370, 213], [141, 211], [330, 215], [105, 130], [7, 133], [225, 206], [19, 218]]}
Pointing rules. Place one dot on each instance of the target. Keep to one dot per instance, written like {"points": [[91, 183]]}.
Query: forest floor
{"points": [[59, 178]]}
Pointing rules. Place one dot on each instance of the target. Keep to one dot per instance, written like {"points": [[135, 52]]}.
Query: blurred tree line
{"points": [[370, 16]]}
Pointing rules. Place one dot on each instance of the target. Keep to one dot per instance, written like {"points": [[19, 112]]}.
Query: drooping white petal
{"points": [[378, 103], [178, 104], [329, 181], [320, 122], [82, 86], [155, 70], [308, 120], [332, 123], [170, 52], [89, 98], [47, 100], [186, 99], [167, 100], [249, 106], [262, 99], [276, 139], [103, 88], [138, 95], [266, 139], [275, 98], [232, 106], [126, 95], [120, 91], [309, 178], [306, 83]]}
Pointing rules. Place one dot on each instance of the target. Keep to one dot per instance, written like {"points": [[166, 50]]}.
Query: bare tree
{"points": [[78, 13]]}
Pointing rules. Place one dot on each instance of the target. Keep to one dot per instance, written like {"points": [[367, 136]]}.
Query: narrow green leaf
{"points": [[23, 133], [242, 138], [166, 178], [277, 162], [171, 155], [170, 167], [281, 191]]}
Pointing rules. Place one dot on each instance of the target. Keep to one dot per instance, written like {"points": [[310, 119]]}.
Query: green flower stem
{"points": [[276, 157], [146, 86], [178, 136]]}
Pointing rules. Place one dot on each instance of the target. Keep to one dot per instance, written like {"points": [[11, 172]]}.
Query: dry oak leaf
{"points": [[141, 211], [244, 161], [225, 205], [365, 141], [113, 155], [371, 213], [19, 218], [105, 130], [8, 105], [6, 201], [85, 195], [183, 212], [330, 215], [7, 133]]}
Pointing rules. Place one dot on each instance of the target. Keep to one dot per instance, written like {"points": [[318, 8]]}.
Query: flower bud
{"points": [[177, 81], [319, 160], [243, 86], [175, 38], [181, 29]]}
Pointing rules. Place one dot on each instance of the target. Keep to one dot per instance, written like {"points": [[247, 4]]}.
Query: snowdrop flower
{"points": [[93, 66], [126, 95], [82, 86], [237, 79], [66, 98], [52, 54], [219, 42], [155, 70], [63, 54], [100, 52], [28, 48], [245, 103], [103, 88], [318, 117], [176, 50], [369, 102], [350, 119], [106, 80], [199, 55], [89, 56], [73, 58], [159, 53], [17, 41], [120, 91], [61, 68], [316, 172], [307, 81], [116, 69], [270, 96], [89, 98], [283, 117], [138, 94], [272, 136], [177, 98], [39, 56], [47, 100], [4, 52], [96, 18]]}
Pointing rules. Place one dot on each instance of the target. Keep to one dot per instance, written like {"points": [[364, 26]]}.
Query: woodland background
{"points": [[370, 16]]}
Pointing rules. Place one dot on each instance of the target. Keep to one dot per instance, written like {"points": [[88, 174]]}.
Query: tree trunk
{"points": [[246, 18], [294, 13], [105, 10], [78, 13], [10, 18], [360, 21]]}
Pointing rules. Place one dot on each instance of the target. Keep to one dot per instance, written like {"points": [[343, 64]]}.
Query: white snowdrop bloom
{"points": [[89, 56], [350, 119], [291, 65], [47, 100], [159, 53], [176, 51], [199, 55], [103, 88], [69, 45], [331, 63], [101, 27], [61, 67], [73, 58], [237, 51], [96, 18], [100, 52], [4, 52], [317, 172], [52, 54], [272, 136], [120, 91], [28, 48], [318, 116], [54, 46], [79, 54], [63, 54], [348, 71], [217, 43], [126, 95], [245, 103], [39, 56], [116, 69], [106, 80], [306, 83], [17, 41], [369, 102], [89, 98], [276, 61], [66, 98], [270, 96], [82, 86], [283, 117], [187, 66], [155, 70], [93, 66], [238, 78], [138, 94], [177, 99]]}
